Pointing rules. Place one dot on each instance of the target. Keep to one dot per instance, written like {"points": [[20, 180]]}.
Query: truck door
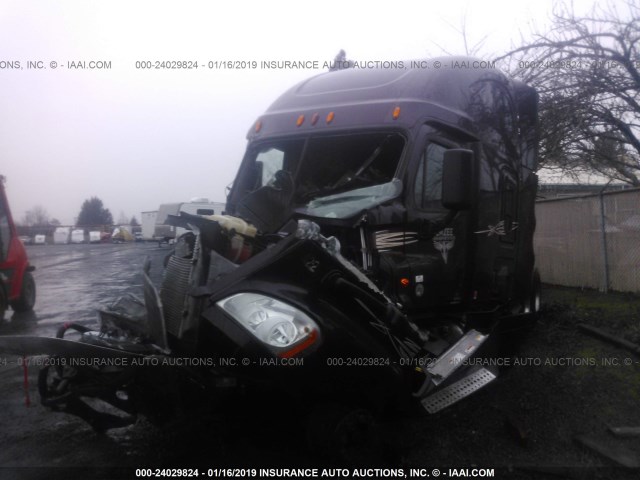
{"points": [[436, 255]]}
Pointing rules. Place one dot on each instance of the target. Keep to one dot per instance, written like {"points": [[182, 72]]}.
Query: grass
{"points": [[615, 312]]}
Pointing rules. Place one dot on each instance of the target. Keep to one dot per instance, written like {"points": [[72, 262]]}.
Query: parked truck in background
{"points": [[17, 286]]}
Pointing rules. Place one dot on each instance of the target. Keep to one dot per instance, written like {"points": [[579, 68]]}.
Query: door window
{"points": [[428, 182]]}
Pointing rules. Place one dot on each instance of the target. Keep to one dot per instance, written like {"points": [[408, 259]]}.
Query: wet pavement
{"points": [[72, 281]]}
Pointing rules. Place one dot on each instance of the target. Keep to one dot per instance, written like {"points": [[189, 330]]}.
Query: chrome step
{"points": [[453, 358], [457, 391]]}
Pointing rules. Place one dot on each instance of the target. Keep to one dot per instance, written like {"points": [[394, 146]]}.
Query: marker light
{"points": [[330, 117], [271, 321], [396, 113], [314, 118], [258, 126], [404, 282], [300, 120]]}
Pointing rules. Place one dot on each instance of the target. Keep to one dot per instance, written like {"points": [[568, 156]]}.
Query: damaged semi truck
{"points": [[378, 236]]}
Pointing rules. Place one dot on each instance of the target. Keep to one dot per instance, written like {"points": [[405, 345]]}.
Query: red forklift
{"points": [[17, 286]]}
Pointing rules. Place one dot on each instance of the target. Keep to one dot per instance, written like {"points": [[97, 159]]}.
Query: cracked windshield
{"points": [[339, 175]]}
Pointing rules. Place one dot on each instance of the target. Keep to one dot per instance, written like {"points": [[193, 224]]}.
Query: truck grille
{"points": [[173, 292]]}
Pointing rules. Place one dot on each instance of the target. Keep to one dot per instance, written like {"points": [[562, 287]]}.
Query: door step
{"points": [[455, 357], [457, 391]]}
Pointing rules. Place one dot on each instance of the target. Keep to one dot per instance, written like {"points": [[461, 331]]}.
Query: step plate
{"points": [[457, 391], [455, 357]]}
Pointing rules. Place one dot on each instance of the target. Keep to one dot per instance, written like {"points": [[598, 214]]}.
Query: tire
{"points": [[27, 298], [3, 303], [345, 436], [536, 291], [515, 331]]}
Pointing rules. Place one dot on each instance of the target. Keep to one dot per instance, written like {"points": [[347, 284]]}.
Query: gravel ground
{"points": [[565, 384]]}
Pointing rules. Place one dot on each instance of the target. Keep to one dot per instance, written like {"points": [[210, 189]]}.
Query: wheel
{"points": [[536, 294], [27, 298], [347, 436], [3, 303], [515, 330]]}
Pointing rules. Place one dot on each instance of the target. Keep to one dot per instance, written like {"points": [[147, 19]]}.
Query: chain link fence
{"points": [[591, 241]]}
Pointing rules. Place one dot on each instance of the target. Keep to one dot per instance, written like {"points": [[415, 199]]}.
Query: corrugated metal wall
{"points": [[577, 246]]}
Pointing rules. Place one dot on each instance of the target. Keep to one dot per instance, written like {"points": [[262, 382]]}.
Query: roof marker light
{"points": [[258, 126], [300, 120], [330, 117], [314, 118], [396, 113]]}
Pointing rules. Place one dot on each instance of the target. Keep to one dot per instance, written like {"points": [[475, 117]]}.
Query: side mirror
{"points": [[457, 171]]}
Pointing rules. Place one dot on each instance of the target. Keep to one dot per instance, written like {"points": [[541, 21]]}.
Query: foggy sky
{"points": [[138, 138]]}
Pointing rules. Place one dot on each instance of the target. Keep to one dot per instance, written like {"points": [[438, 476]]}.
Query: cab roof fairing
{"points": [[367, 97], [351, 116]]}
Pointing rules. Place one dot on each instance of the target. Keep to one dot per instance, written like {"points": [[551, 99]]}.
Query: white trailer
{"points": [[62, 235], [77, 236], [148, 222]]}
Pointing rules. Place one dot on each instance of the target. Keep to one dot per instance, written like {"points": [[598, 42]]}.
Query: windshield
{"points": [[336, 175], [347, 204]]}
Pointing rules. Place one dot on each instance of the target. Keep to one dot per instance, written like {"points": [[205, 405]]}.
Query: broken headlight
{"points": [[271, 321]]}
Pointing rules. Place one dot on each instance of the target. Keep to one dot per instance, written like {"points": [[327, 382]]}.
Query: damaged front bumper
{"points": [[240, 326]]}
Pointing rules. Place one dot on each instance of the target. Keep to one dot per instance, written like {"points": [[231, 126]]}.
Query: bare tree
{"points": [[36, 217], [470, 50], [123, 219], [587, 72]]}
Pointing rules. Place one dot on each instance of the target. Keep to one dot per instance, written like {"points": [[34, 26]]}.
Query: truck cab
{"points": [[425, 176]]}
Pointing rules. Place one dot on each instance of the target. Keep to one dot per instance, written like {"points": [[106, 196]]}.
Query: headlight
{"points": [[271, 321]]}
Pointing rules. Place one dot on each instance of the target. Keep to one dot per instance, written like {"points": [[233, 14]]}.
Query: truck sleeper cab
{"points": [[364, 154], [423, 181]]}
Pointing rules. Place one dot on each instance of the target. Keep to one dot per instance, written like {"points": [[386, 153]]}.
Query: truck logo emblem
{"points": [[444, 241], [498, 229]]}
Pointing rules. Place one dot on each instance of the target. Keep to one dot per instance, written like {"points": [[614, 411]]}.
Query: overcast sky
{"points": [[137, 138]]}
